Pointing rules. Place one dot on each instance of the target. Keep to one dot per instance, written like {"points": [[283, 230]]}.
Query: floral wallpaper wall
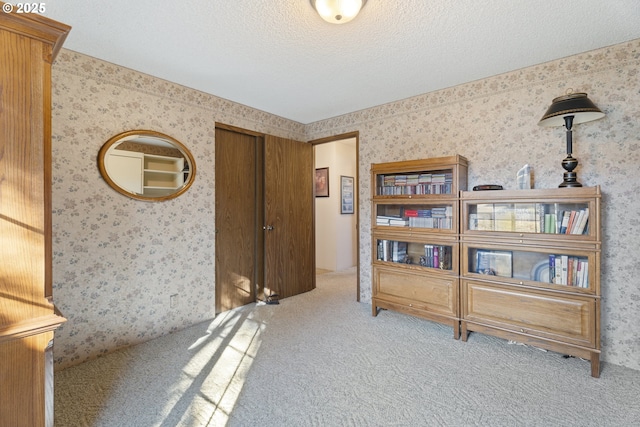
{"points": [[116, 260], [493, 123]]}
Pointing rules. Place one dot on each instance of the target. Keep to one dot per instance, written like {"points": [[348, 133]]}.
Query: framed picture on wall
{"points": [[346, 194], [322, 182]]}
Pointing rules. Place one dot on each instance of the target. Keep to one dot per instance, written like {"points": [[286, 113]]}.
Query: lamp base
{"points": [[569, 163], [570, 180]]}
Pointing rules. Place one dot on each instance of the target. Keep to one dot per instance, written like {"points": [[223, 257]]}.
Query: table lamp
{"points": [[566, 111]]}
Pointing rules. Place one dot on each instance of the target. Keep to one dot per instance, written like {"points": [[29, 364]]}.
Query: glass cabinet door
{"points": [[556, 268], [417, 254], [567, 218]]}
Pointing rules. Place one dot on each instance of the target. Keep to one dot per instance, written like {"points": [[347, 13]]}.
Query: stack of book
{"points": [[391, 220]]}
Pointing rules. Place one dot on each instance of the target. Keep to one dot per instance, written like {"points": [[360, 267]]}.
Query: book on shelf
{"points": [[547, 223], [565, 222], [504, 217], [399, 222], [391, 250], [424, 178], [572, 217], [574, 221], [415, 183], [440, 217], [382, 250], [540, 218], [558, 273], [569, 270], [399, 251], [557, 212], [473, 221], [484, 213], [565, 270], [581, 222], [525, 217], [436, 256], [550, 223], [385, 219], [584, 281]]}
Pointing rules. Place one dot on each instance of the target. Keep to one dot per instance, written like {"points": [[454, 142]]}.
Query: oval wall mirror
{"points": [[146, 165]]}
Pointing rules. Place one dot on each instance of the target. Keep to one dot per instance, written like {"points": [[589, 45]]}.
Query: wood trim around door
{"points": [[349, 135]]}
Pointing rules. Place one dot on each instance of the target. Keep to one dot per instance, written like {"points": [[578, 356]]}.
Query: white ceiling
{"points": [[279, 56]]}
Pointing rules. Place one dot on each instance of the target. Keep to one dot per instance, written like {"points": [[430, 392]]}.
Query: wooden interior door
{"points": [[289, 234], [237, 215]]}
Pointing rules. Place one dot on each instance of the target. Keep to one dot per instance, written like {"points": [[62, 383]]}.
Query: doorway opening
{"points": [[336, 205]]}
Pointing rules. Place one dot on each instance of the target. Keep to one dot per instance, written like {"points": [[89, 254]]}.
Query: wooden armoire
{"points": [[28, 45]]}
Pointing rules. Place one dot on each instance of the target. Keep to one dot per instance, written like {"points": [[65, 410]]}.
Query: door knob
{"points": [[268, 227]]}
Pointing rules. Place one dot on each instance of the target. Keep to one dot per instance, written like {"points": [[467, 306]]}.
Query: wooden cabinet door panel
{"points": [[437, 295], [568, 319]]}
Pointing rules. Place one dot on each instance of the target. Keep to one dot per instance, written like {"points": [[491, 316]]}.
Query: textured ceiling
{"points": [[280, 57]]}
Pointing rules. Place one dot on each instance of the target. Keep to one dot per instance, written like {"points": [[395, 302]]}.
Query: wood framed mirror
{"points": [[146, 165]]}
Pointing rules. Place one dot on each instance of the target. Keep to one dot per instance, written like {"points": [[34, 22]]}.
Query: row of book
{"points": [[436, 256], [419, 189], [418, 183], [574, 222], [440, 223], [529, 218], [393, 251], [566, 222], [437, 217], [569, 270], [416, 179]]}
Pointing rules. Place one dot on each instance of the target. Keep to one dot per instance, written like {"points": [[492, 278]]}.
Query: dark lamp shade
{"points": [[576, 105]]}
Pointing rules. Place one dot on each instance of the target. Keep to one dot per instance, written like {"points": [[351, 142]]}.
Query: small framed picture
{"points": [[346, 194], [494, 263], [322, 182]]}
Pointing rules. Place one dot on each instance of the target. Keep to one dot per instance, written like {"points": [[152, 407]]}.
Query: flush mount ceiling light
{"points": [[338, 11]]}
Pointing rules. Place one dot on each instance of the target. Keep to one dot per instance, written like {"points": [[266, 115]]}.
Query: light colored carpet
{"points": [[321, 359]]}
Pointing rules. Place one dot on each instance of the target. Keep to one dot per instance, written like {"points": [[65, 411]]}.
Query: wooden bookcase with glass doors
{"points": [[415, 235], [530, 268]]}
